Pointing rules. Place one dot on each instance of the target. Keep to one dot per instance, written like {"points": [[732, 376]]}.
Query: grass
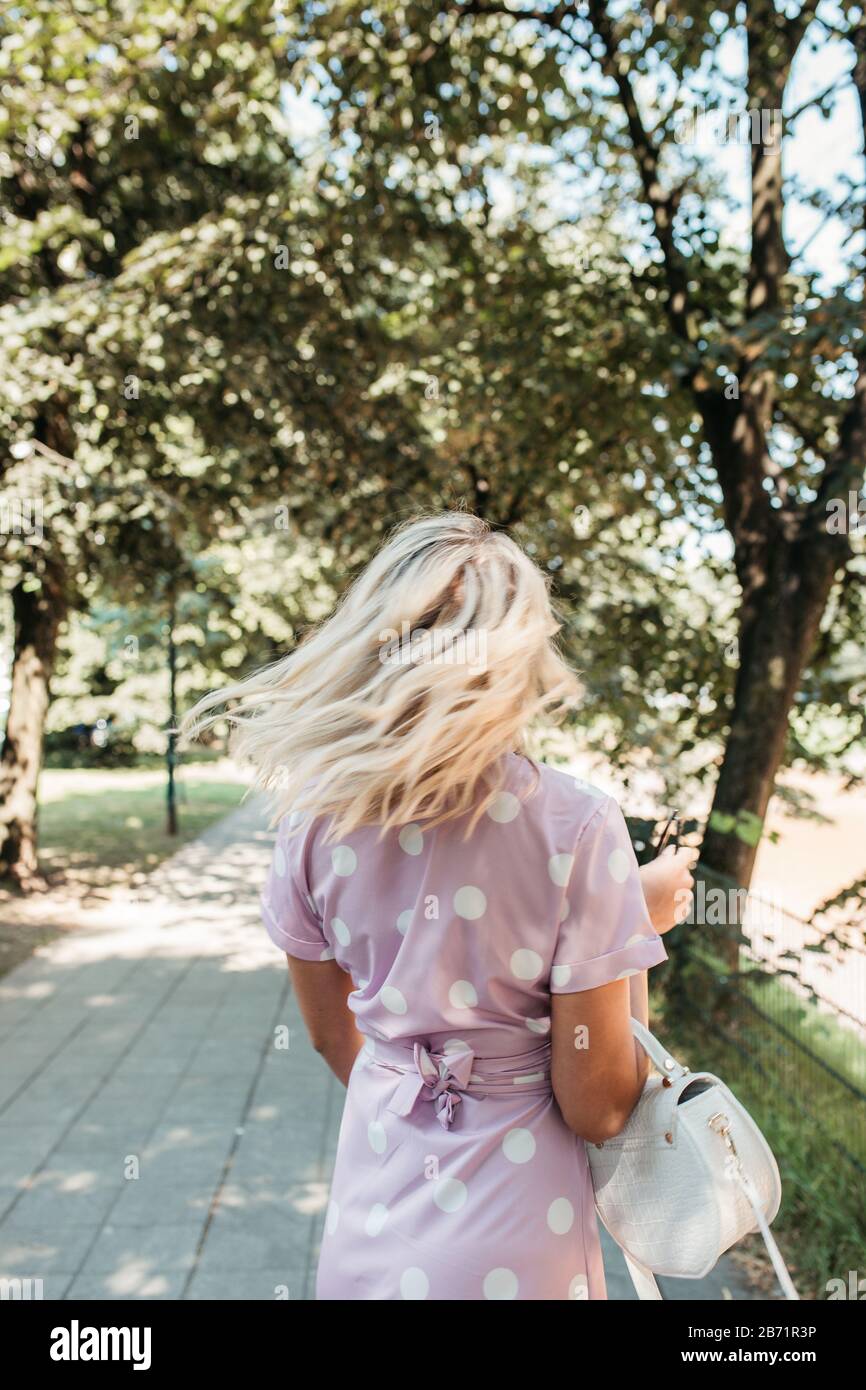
{"points": [[101, 830], [815, 1027], [806, 1117], [103, 827]]}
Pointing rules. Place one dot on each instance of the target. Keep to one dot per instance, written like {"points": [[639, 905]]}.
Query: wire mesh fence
{"points": [[789, 1002]]}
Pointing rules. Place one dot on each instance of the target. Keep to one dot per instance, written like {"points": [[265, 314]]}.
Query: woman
{"points": [[467, 931]]}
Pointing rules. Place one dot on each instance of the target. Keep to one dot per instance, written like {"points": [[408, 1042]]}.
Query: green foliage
{"points": [[746, 826], [515, 138], [263, 345]]}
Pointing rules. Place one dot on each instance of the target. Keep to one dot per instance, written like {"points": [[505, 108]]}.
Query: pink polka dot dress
{"points": [[456, 1176]]}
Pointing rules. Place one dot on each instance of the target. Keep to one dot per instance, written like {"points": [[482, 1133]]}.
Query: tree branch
{"points": [[646, 153], [814, 101]]}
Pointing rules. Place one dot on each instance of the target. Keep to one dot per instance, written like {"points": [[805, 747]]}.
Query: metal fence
{"points": [[795, 1010]]}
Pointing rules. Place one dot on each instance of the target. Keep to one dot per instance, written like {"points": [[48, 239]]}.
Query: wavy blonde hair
{"points": [[401, 706]]}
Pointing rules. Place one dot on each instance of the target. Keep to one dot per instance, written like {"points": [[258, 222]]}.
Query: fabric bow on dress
{"points": [[438, 1077]]}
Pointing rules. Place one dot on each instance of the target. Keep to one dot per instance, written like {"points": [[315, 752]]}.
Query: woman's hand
{"points": [[667, 887]]}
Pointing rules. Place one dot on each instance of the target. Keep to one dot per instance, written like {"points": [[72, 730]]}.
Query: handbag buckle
{"points": [[722, 1125]]}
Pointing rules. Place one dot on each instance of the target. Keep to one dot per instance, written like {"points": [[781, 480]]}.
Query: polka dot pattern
{"points": [[411, 840], [560, 1216], [538, 1025], [526, 964], [559, 866], [376, 1218], [392, 1000], [462, 995], [414, 1283], [504, 809], [344, 860], [449, 1194], [519, 1145], [470, 903], [501, 1284], [376, 1136], [341, 931], [618, 865]]}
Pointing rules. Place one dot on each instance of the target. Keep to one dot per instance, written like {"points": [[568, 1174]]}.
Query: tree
{"points": [[491, 278], [146, 160], [770, 363], [115, 126]]}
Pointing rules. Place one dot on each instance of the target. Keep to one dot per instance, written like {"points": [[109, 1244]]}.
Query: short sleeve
{"points": [[288, 908], [606, 932]]}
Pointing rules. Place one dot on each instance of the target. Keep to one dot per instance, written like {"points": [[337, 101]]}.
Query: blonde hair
{"points": [[382, 715]]}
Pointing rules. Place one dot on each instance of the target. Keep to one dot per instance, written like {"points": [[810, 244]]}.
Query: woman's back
{"points": [[445, 936], [456, 1175]]}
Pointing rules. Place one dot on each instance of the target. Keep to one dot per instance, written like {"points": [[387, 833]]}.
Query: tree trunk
{"points": [[38, 613], [779, 623]]}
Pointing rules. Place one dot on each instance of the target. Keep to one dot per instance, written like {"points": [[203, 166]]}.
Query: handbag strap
{"points": [[643, 1279], [658, 1055], [741, 1177]]}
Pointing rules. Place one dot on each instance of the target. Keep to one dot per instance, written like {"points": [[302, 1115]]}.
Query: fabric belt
{"points": [[444, 1077]]}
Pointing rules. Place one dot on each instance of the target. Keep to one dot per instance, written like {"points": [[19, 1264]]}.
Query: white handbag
{"points": [[688, 1176]]}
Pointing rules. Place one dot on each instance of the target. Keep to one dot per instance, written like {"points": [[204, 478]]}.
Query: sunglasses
{"points": [[670, 834]]}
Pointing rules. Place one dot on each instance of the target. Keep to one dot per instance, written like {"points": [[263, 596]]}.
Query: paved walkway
{"points": [[166, 1130]]}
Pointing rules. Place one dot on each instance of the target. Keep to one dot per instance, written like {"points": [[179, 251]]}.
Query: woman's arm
{"points": [[597, 1070], [322, 989]]}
